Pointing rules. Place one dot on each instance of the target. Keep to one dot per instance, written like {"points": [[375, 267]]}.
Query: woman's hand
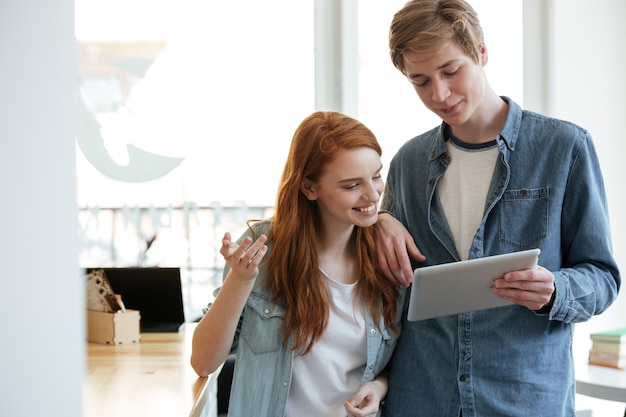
{"points": [[244, 259], [366, 401], [213, 337]]}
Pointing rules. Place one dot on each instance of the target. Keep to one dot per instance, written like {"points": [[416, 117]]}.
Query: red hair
{"points": [[293, 276]]}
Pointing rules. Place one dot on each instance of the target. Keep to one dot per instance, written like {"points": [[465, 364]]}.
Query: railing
{"points": [[186, 236]]}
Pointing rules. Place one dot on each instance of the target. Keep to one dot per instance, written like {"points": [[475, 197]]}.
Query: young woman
{"points": [[312, 321]]}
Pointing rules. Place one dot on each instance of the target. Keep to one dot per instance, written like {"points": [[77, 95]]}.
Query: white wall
{"points": [[587, 86], [42, 352], [582, 59]]}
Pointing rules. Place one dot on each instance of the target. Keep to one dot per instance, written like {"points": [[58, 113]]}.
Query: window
{"points": [[189, 108]]}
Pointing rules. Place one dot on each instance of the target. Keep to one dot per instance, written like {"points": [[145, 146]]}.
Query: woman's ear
{"points": [[307, 188]]}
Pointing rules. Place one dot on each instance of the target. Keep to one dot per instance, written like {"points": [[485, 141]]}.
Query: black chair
{"points": [[224, 380]]}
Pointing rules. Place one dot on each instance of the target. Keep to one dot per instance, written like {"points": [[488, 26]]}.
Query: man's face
{"points": [[448, 81]]}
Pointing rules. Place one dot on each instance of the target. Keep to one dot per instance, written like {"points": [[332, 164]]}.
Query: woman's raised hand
{"points": [[244, 259]]}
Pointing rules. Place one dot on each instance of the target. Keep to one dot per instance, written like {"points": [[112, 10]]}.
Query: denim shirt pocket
{"points": [[523, 217], [261, 325]]}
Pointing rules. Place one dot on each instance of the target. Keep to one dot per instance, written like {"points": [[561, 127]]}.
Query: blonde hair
{"points": [[422, 26]]}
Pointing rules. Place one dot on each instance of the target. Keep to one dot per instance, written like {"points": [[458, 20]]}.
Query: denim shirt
{"points": [[546, 192], [262, 374]]}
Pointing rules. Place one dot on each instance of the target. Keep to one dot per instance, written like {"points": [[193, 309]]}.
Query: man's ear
{"points": [[306, 186], [484, 55]]}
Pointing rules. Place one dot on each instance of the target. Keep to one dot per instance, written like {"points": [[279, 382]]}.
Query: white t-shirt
{"points": [[463, 190], [332, 371]]}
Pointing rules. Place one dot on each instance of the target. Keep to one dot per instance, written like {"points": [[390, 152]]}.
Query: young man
{"points": [[491, 179]]}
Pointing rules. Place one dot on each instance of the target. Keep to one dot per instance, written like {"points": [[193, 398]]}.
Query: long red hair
{"points": [[293, 277]]}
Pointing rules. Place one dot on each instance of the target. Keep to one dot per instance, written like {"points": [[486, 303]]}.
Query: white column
{"points": [[336, 56], [42, 292]]}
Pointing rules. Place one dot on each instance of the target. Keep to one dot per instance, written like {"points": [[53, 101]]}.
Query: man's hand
{"points": [[394, 245], [531, 288]]}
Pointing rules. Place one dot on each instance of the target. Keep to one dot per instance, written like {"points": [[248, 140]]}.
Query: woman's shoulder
{"points": [[258, 227]]}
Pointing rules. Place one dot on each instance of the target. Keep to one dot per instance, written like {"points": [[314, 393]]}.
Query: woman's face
{"points": [[349, 189]]}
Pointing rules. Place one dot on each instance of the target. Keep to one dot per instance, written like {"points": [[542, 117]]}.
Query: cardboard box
{"points": [[113, 328]]}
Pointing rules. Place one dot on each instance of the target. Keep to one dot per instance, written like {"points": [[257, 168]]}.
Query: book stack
{"points": [[608, 348]]}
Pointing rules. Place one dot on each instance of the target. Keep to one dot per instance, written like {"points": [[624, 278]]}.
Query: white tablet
{"points": [[459, 287]]}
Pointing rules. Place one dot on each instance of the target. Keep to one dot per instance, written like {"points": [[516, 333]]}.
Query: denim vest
{"points": [[546, 192], [262, 374]]}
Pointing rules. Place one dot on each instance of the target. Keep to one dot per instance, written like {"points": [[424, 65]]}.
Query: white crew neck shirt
{"points": [[332, 371], [463, 189]]}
